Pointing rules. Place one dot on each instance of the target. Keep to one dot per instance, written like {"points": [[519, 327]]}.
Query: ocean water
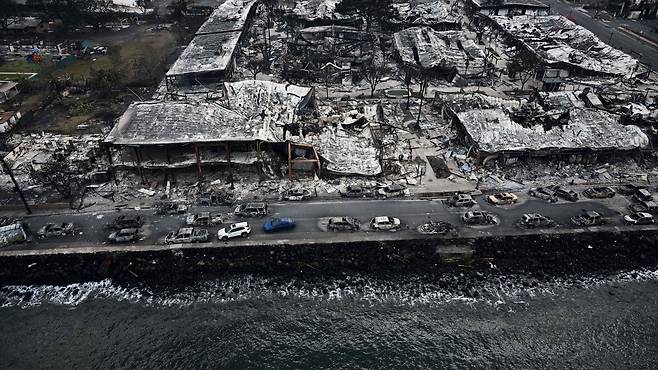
{"points": [[347, 321]]}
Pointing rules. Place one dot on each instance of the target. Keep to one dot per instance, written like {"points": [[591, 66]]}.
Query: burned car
{"points": [[535, 221], [186, 235], [462, 200], [599, 192], [502, 198], [126, 222], [170, 208], [566, 194], [436, 227], [588, 218], [52, 229], [124, 236], [391, 191], [355, 191], [216, 198], [543, 193], [639, 218], [203, 219], [297, 194], [251, 210], [343, 224], [479, 218], [385, 223]]}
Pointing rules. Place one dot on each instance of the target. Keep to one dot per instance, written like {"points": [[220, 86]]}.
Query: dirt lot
{"points": [[136, 60]]}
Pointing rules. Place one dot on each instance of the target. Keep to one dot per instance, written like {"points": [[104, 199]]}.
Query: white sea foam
{"points": [[494, 291]]}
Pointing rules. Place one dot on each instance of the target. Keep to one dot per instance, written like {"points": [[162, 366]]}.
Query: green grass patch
{"points": [[21, 66]]}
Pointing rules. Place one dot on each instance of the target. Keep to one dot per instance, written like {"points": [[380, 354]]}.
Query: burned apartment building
{"points": [[559, 125], [565, 48], [247, 128], [210, 56], [446, 53]]}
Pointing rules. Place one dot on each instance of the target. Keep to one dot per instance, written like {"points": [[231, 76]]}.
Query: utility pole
{"points": [[6, 168]]}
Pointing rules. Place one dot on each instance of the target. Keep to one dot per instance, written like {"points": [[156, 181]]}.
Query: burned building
{"points": [[445, 53], [433, 13], [210, 56], [565, 46], [308, 13], [315, 53], [250, 123], [561, 126]]}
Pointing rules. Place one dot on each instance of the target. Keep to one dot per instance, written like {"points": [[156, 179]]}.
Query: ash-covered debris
{"points": [[492, 128], [442, 51], [419, 93], [558, 41], [435, 14]]}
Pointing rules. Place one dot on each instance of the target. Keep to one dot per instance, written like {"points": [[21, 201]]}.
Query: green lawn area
{"points": [[82, 68], [20, 66]]}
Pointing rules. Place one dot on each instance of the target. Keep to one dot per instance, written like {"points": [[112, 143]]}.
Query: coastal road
{"points": [[609, 32], [92, 228]]}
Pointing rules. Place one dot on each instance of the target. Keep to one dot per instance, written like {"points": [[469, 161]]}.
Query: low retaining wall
{"points": [[557, 253]]}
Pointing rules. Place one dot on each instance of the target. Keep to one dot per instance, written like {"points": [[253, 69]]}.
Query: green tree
{"points": [[104, 80]]}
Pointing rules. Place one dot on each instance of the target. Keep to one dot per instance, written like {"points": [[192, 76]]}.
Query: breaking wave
{"points": [[407, 290]]}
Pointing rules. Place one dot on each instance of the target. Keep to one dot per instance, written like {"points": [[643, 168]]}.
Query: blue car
{"points": [[278, 224]]}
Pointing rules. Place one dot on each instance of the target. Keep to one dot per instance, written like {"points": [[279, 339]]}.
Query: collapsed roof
{"points": [[271, 101], [318, 10], [558, 40], [206, 53], [424, 13], [232, 15], [256, 110], [35, 150], [439, 50], [346, 153], [489, 125], [214, 45]]}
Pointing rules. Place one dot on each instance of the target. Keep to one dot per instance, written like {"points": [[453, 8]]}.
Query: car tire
{"points": [[244, 235], [224, 238]]}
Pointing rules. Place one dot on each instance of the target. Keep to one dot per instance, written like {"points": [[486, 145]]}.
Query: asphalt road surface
{"points": [[609, 33], [92, 227]]}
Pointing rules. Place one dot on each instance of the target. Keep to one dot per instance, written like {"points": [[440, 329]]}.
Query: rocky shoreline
{"points": [[535, 255]]}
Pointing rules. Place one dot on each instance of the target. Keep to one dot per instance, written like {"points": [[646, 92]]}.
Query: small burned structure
{"points": [[560, 125], [210, 56], [445, 53]]}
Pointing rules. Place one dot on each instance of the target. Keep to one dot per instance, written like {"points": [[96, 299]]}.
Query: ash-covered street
{"points": [[92, 230]]}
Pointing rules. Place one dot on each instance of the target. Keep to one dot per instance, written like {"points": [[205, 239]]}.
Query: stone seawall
{"points": [[538, 253]]}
